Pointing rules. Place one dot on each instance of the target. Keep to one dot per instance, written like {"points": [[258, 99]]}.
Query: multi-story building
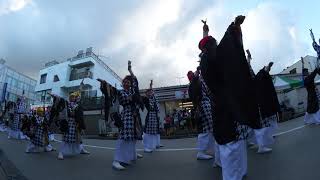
{"points": [[310, 62], [15, 85], [65, 77]]}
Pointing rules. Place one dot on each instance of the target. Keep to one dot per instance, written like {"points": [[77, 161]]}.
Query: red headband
{"points": [[190, 75]]}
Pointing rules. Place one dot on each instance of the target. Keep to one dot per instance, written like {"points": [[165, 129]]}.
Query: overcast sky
{"points": [[159, 36]]}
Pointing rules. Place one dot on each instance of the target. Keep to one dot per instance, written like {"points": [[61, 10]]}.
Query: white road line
{"points": [[160, 150], [294, 129], [179, 149]]}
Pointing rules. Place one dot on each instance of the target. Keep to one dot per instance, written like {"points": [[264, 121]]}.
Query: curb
{"points": [[8, 170]]}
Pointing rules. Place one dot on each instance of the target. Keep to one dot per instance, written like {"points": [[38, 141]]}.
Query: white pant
{"points": [[233, 160], [70, 149], [262, 137], [150, 141], [206, 142], [125, 151], [313, 118]]}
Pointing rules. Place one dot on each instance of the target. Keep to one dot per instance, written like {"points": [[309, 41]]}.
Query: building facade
{"points": [[171, 99], [15, 85], [310, 62], [65, 77]]}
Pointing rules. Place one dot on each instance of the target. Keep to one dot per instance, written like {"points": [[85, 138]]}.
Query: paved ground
{"points": [[295, 157]]}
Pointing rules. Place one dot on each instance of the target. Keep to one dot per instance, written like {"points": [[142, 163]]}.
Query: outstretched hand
{"points": [[205, 26], [129, 66], [239, 20], [312, 35]]}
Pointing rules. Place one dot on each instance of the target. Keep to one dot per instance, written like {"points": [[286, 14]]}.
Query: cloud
{"points": [[160, 37], [7, 6], [164, 48], [270, 33]]}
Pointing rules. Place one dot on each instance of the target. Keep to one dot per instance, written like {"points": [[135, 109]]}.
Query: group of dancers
{"points": [[237, 108], [36, 125], [67, 116], [234, 107]]}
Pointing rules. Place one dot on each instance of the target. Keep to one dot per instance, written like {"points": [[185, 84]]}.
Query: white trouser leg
{"points": [[233, 160]]}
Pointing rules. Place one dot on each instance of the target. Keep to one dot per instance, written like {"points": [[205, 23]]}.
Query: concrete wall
{"points": [[295, 98], [309, 63]]}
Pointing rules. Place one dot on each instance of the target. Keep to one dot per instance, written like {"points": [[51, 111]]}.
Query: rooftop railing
{"points": [[95, 57]]}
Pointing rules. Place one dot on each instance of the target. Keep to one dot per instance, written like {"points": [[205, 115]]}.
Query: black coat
{"points": [[206, 58], [313, 104], [194, 91], [266, 94], [232, 87]]}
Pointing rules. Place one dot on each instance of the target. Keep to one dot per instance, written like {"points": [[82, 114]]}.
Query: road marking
{"points": [[160, 150], [291, 130], [180, 149]]}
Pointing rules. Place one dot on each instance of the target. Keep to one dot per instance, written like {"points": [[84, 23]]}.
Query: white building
{"points": [[65, 77], [15, 85], [296, 68]]}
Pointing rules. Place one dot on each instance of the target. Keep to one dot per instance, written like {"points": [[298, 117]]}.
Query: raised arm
{"points": [[249, 57], [310, 78], [205, 28], [151, 84], [130, 69], [312, 36]]}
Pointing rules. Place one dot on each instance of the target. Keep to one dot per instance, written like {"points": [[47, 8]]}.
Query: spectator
{"points": [[167, 124]]}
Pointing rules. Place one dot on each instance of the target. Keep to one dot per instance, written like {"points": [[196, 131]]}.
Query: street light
{"points": [[179, 78]]}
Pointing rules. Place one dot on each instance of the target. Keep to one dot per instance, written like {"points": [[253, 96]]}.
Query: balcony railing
{"points": [[76, 76]]}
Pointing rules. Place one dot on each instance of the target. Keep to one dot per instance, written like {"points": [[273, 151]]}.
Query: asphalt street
{"points": [[295, 156]]}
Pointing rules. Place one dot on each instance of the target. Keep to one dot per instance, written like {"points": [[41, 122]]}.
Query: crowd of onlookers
{"points": [[179, 120]]}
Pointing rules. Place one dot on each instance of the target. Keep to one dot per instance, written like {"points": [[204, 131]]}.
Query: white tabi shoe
{"points": [[202, 156], [49, 148], [116, 165], [146, 150], [60, 156], [83, 151], [139, 156], [264, 150]]}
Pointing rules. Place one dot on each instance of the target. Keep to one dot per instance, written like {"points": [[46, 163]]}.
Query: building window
{"points": [[43, 78], [56, 78], [293, 71]]}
